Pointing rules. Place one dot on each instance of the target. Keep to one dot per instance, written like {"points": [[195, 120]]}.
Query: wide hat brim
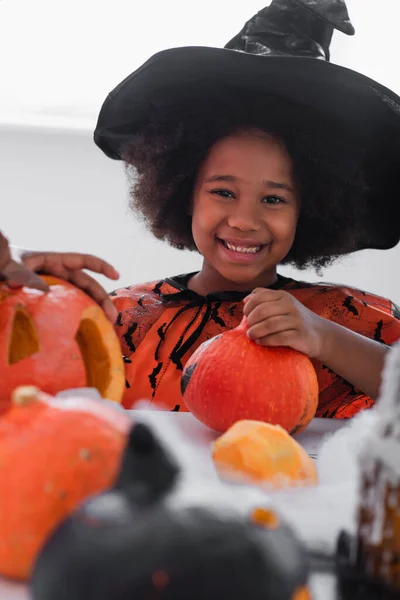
{"points": [[368, 108]]}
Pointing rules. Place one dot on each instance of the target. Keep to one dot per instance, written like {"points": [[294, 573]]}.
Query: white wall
{"points": [[60, 58], [58, 192]]}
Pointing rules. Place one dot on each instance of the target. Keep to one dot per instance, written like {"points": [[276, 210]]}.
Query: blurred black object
{"points": [[133, 542]]}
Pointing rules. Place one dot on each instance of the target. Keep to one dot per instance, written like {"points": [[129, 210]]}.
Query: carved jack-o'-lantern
{"points": [[57, 340]]}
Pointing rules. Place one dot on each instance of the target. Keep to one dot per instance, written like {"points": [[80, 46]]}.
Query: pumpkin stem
{"points": [[148, 471], [24, 395], [265, 517]]}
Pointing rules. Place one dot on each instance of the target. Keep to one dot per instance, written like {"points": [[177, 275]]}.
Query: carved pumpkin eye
{"points": [[23, 340]]}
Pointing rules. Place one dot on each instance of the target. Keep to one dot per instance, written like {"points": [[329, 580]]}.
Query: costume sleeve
{"points": [[367, 314], [139, 306]]}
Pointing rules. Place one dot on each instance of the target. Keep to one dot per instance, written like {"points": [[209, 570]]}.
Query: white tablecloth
{"points": [[311, 439]]}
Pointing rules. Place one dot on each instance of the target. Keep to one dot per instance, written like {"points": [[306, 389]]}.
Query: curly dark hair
{"points": [[328, 162]]}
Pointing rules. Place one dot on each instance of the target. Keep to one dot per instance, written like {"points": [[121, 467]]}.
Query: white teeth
{"points": [[242, 249]]}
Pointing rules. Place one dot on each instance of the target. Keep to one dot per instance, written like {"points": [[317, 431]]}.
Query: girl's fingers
{"points": [[261, 297], [5, 253], [17, 275], [48, 263], [76, 262], [60, 263], [266, 311], [272, 326], [286, 338]]}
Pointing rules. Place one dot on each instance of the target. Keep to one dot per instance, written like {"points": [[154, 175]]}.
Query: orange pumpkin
{"points": [[57, 340], [230, 378], [264, 454], [53, 455]]}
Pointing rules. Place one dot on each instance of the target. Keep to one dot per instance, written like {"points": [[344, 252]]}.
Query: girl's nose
{"points": [[244, 218]]}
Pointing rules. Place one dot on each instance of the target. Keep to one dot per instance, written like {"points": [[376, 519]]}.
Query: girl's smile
{"points": [[241, 251]]}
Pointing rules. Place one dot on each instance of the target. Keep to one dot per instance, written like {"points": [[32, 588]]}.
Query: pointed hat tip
{"points": [[333, 11]]}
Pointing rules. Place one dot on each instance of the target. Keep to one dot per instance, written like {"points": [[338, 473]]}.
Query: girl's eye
{"points": [[273, 200], [223, 193]]}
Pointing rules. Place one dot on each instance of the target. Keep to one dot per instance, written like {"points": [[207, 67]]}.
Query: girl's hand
{"points": [[69, 266], [14, 273], [65, 265], [5, 254], [275, 318]]}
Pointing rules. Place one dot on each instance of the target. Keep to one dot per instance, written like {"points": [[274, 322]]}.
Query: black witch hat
{"points": [[281, 52], [294, 27]]}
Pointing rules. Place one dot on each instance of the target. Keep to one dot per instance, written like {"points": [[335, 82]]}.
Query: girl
{"points": [[256, 161], [259, 155], [254, 203]]}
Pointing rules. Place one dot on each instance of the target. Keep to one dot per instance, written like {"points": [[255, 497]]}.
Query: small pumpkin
{"points": [[53, 454], [135, 542], [57, 340], [231, 378], [264, 454]]}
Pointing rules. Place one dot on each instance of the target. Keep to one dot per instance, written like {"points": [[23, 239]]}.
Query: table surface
{"points": [[322, 586]]}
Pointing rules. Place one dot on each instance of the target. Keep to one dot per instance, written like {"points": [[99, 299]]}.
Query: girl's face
{"points": [[244, 212]]}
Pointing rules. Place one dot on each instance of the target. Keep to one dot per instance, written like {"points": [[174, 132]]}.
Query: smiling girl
{"points": [[257, 158], [251, 184], [257, 155]]}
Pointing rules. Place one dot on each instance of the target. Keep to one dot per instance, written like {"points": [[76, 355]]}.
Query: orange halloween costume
{"points": [[160, 324]]}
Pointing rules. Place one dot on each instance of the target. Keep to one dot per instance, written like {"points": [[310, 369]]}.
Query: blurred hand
{"points": [[69, 266], [65, 265], [14, 273]]}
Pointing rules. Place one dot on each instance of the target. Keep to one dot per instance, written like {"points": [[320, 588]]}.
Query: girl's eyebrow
{"points": [[229, 178], [278, 185]]}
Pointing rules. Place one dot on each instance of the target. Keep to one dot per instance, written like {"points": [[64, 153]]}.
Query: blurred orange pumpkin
{"points": [[53, 455], [230, 378], [264, 454], [57, 340]]}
